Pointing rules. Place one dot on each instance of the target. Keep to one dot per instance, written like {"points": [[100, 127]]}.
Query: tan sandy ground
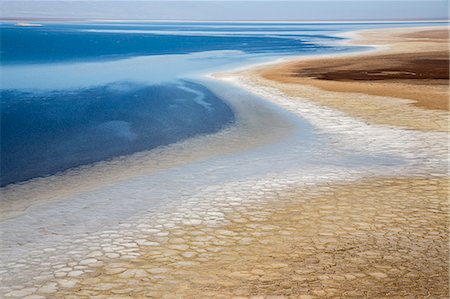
{"points": [[376, 238], [387, 87], [379, 238]]}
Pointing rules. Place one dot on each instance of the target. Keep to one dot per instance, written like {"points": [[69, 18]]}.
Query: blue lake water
{"points": [[75, 94]]}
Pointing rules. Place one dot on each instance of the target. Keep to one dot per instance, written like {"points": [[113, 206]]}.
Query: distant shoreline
{"points": [[44, 20]]}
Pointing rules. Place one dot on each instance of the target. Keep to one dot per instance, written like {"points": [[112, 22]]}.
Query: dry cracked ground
{"points": [[378, 238]]}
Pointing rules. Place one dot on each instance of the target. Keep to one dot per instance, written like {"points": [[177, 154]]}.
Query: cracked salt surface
{"points": [[50, 246]]}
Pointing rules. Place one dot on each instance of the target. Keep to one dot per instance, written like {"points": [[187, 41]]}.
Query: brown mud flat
{"points": [[416, 67], [419, 74]]}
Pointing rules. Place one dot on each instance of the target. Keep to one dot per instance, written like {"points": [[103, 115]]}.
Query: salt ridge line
{"points": [[421, 149]]}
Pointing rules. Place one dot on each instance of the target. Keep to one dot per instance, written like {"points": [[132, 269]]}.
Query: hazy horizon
{"points": [[228, 10]]}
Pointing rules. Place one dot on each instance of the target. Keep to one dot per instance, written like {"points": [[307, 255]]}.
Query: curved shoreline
{"points": [[231, 207], [17, 198]]}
